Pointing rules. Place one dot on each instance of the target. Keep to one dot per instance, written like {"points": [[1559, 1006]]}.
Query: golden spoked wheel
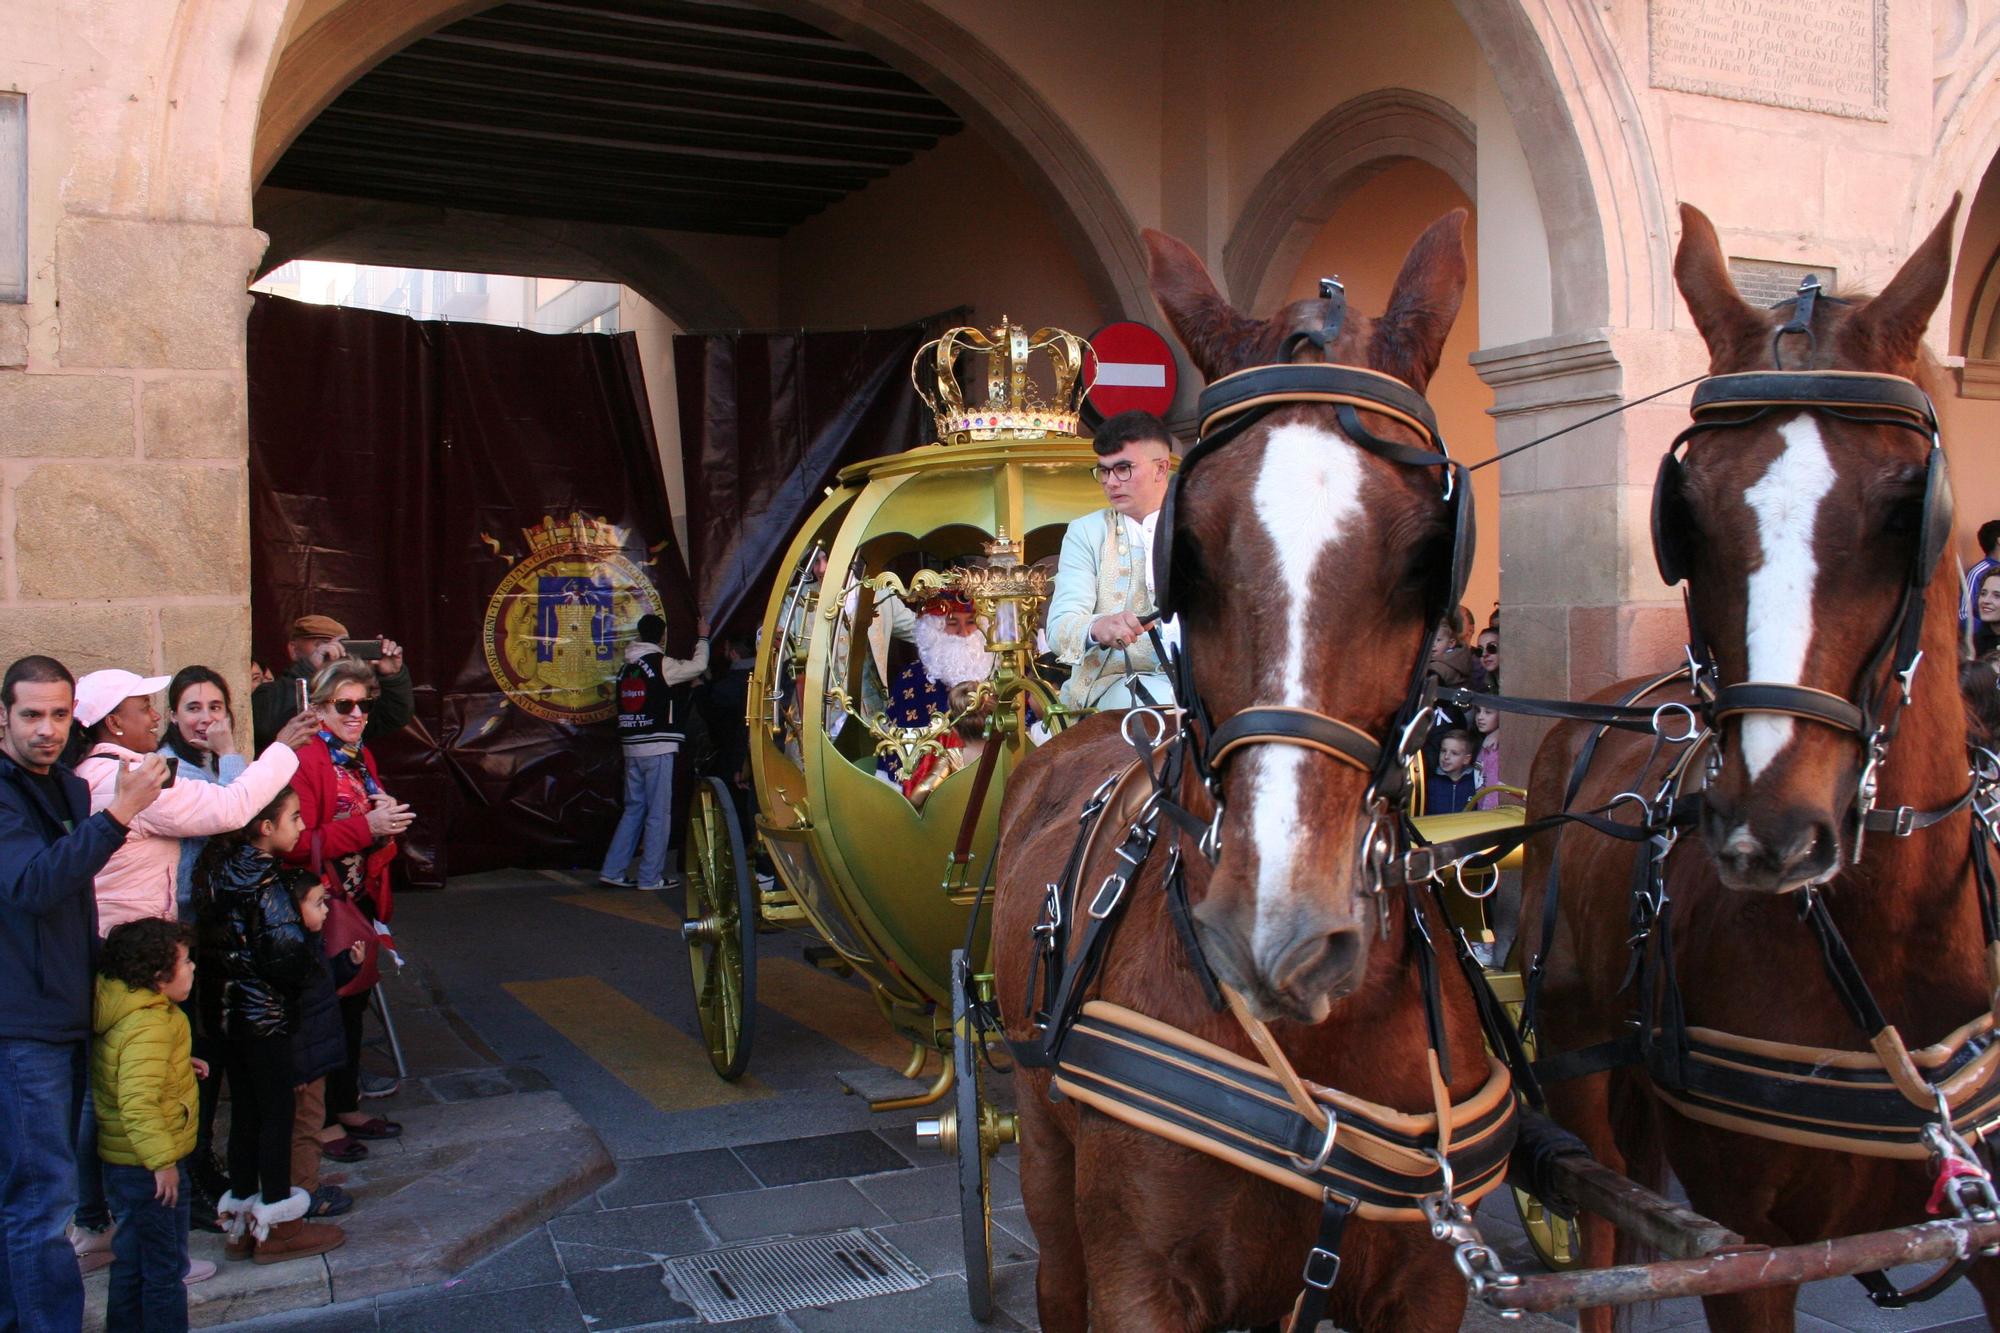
{"points": [[975, 1146], [720, 927], [1555, 1239]]}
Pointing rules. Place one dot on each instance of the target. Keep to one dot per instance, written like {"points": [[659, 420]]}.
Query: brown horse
{"points": [[1307, 556], [1800, 537]]}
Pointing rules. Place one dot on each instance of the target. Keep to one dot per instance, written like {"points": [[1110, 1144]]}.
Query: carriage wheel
{"points": [[720, 927], [977, 1142], [1556, 1240]]}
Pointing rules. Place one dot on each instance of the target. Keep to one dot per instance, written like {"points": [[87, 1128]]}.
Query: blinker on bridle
{"points": [[1725, 402]]}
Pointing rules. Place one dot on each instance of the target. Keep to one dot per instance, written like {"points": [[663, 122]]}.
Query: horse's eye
{"points": [[1905, 517]]}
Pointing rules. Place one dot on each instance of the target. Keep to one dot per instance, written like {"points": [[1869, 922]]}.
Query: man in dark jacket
{"points": [[315, 641], [652, 691], [51, 848]]}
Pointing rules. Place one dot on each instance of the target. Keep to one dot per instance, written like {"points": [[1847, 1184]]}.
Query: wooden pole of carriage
{"points": [[1749, 1267]]}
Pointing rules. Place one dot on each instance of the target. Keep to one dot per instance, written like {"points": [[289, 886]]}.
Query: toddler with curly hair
{"points": [[142, 1078]]}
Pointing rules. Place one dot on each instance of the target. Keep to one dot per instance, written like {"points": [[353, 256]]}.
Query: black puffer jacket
{"points": [[319, 1043], [254, 954]]}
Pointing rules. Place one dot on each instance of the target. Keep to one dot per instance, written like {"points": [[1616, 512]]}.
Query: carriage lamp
{"points": [[1008, 596]]}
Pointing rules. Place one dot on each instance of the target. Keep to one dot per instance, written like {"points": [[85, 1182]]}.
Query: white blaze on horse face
{"points": [[1779, 608], [1308, 490]]}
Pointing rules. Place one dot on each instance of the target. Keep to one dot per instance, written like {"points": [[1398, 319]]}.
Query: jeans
{"points": [[149, 1253], [649, 803], [92, 1210], [41, 1083]]}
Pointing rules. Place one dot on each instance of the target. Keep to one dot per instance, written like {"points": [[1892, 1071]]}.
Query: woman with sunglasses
{"points": [[349, 840], [1486, 659]]}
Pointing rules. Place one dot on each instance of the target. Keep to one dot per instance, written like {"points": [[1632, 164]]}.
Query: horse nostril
{"points": [[1811, 852]]}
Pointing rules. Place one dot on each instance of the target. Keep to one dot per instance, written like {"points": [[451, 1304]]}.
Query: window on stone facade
{"points": [[13, 197]]}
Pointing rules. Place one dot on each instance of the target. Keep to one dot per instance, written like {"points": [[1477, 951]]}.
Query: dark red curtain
{"points": [[766, 420], [418, 480]]}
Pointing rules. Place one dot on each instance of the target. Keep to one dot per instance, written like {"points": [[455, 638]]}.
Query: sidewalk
{"points": [[487, 1153]]}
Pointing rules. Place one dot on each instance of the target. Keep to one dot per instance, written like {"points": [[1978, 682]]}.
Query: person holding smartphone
{"points": [[314, 642], [121, 728]]}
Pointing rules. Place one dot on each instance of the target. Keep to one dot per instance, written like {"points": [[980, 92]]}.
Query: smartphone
{"points": [[305, 696], [173, 767], [367, 650]]}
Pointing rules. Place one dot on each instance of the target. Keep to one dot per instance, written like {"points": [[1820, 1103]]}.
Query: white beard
{"points": [[951, 659]]}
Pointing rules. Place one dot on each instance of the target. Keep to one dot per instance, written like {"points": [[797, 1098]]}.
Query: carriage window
{"points": [[783, 705]]}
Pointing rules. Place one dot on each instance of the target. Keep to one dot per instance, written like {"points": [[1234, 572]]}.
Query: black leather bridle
{"points": [[1227, 409], [1883, 688]]}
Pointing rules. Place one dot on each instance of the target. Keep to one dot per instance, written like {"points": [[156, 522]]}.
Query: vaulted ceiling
{"points": [[689, 115]]}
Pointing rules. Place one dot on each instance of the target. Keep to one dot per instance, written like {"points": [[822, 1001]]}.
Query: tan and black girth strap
{"points": [[1159, 1079], [1871, 1103]]}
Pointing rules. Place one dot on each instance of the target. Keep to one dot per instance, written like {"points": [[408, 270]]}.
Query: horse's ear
{"points": [[1732, 328], [1217, 338], [1409, 338], [1887, 331]]}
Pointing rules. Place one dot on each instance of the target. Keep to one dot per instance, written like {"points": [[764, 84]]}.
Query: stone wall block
{"points": [[83, 638], [153, 294], [149, 530], [213, 636], [65, 416], [1561, 548], [190, 418], [13, 336]]}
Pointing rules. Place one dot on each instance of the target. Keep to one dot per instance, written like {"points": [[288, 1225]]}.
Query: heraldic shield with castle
{"points": [[552, 626]]}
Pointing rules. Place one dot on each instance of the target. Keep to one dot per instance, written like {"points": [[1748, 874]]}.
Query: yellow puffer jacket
{"points": [[142, 1077]]}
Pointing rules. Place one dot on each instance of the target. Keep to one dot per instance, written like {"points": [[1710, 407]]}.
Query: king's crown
{"points": [[1015, 406]]}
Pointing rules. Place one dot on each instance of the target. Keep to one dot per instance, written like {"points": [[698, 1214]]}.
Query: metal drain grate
{"points": [[773, 1276]]}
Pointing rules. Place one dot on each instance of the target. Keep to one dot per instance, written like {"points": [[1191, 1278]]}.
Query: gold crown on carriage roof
{"points": [[1015, 407]]}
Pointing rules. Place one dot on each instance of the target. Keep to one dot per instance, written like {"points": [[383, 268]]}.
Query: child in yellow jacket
{"points": [[142, 1077]]}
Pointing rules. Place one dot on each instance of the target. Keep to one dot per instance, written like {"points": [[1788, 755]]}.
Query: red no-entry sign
{"points": [[1135, 370]]}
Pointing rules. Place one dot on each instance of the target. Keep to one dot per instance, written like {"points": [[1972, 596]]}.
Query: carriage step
{"points": [[827, 959]]}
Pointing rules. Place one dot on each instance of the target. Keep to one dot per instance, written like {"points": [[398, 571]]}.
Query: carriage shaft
{"points": [[1749, 1268], [1673, 1229]]}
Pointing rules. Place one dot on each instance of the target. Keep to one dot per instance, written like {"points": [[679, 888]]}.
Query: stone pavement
{"points": [[587, 988]]}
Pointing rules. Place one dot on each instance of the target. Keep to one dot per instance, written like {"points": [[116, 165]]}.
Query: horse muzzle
{"points": [[1292, 969], [1770, 853]]}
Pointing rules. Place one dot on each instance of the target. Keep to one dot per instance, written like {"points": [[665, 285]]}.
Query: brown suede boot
{"points": [[299, 1240], [281, 1234]]}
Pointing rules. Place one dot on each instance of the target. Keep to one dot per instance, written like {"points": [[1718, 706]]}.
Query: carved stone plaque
{"points": [[1830, 56]]}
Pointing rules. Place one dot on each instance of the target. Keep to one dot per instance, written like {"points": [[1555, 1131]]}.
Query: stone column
{"points": [[124, 516], [1582, 605]]}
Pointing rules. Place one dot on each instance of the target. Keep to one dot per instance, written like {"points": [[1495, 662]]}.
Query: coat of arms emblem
{"points": [[553, 625]]}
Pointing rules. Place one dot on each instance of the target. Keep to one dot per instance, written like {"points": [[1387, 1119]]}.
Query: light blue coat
{"points": [[1102, 570]]}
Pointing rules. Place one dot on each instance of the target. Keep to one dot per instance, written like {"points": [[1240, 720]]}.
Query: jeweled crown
{"points": [[1015, 407]]}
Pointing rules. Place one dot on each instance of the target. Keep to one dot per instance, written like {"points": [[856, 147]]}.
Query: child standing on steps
{"points": [[142, 1079], [256, 960]]}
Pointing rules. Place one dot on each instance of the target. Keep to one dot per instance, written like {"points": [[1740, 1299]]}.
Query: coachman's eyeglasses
{"points": [[345, 707], [1123, 471]]}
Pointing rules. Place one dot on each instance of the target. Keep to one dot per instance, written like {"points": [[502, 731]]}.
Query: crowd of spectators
{"points": [[177, 917]]}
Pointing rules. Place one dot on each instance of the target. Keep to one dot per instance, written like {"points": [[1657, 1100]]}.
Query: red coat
{"points": [[326, 838]]}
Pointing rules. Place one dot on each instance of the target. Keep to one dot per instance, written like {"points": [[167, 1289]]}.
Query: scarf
{"points": [[349, 756]]}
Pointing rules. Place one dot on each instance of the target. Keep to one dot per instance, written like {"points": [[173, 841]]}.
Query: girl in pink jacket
{"points": [[117, 710]]}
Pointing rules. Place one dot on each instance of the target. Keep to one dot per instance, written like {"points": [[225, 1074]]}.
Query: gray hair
{"points": [[337, 673]]}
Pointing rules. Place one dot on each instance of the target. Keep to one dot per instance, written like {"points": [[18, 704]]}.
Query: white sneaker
{"points": [[651, 888], [612, 881], [199, 1270]]}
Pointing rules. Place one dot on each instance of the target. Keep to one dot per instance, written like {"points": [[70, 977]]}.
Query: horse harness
{"points": [[1933, 1104], [1352, 1155]]}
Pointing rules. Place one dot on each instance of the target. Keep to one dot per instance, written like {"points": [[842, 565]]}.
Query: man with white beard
{"points": [[951, 651]]}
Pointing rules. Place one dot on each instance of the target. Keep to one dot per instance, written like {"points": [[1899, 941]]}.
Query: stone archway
{"points": [[1343, 148], [317, 64]]}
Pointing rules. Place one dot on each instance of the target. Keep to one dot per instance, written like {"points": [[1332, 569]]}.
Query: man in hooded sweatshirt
{"points": [[653, 692]]}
